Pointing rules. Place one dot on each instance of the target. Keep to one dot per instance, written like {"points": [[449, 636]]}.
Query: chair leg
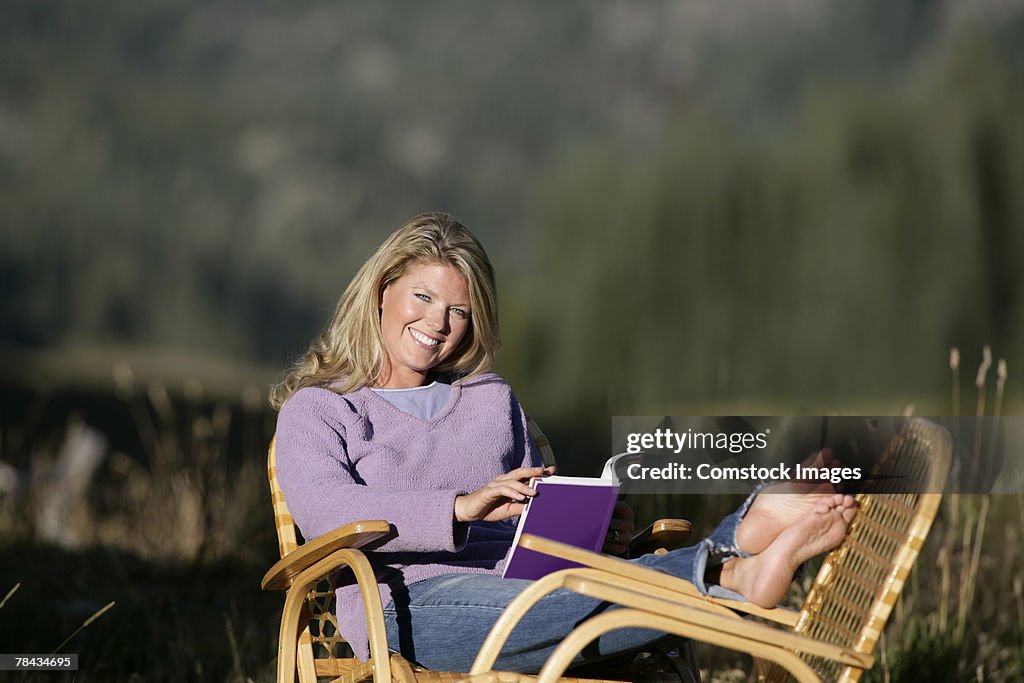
{"points": [[688, 651], [401, 671], [682, 660], [305, 662], [288, 637]]}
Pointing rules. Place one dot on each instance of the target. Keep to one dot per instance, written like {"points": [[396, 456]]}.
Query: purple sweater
{"points": [[341, 459]]}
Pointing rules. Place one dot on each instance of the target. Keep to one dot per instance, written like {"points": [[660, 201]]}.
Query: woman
{"points": [[393, 414]]}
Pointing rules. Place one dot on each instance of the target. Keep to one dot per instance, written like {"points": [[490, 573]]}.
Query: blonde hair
{"points": [[349, 354]]}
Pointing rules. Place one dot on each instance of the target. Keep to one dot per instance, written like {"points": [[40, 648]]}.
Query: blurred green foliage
{"points": [[686, 202], [693, 207], [836, 263]]}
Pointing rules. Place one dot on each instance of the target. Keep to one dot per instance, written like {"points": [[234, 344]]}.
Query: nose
{"points": [[437, 319]]}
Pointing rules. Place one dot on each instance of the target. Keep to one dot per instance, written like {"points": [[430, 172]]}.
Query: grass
{"points": [[961, 617], [179, 535], [156, 573], [171, 621]]}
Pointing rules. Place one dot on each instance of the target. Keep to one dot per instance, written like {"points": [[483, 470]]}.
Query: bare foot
{"points": [[764, 578], [780, 505]]}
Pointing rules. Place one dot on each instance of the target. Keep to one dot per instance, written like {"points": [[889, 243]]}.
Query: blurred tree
{"points": [[837, 263]]}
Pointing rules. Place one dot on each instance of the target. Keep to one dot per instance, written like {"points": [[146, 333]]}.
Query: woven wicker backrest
{"points": [[540, 441], [329, 650], [857, 586], [287, 535], [331, 653]]}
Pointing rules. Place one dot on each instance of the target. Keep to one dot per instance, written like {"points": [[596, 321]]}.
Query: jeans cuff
{"points": [[720, 547], [711, 555]]}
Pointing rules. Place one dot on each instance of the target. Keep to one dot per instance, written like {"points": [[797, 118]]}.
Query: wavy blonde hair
{"points": [[350, 354]]}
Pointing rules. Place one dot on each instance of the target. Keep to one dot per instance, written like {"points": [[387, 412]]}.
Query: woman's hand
{"points": [[620, 530], [501, 498]]}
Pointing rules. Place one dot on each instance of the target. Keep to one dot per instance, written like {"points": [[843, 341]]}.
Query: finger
{"points": [[521, 473], [514, 510], [522, 488], [521, 494], [519, 486], [504, 512]]}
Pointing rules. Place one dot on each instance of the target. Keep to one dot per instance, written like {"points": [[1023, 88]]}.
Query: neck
{"points": [[406, 380]]}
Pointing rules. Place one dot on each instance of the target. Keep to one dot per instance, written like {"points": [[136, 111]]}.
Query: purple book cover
{"points": [[573, 510]]}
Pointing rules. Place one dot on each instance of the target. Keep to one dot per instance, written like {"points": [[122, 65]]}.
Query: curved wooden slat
{"points": [[630, 570], [593, 628], [523, 602], [601, 588], [296, 596]]}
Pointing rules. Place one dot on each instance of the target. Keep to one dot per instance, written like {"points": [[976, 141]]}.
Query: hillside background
{"points": [[693, 208]]}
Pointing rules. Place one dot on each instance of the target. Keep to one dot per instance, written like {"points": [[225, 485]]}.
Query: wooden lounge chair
{"points": [[309, 643], [834, 633]]}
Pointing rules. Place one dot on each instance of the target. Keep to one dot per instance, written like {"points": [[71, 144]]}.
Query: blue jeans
{"points": [[441, 623]]}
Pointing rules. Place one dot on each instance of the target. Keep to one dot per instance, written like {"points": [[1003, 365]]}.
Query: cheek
{"points": [[461, 330], [395, 314], [392, 323]]}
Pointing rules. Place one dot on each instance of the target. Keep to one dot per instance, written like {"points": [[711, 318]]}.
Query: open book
{"points": [[573, 510]]}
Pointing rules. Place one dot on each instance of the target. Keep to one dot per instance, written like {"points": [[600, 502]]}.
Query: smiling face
{"points": [[424, 315]]}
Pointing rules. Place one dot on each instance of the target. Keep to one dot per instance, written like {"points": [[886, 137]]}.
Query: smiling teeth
{"points": [[423, 339]]}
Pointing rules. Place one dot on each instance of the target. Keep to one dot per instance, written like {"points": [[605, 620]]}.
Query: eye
{"points": [[422, 297], [459, 313]]}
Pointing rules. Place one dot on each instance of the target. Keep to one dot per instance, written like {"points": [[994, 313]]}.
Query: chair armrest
{"points": [[664, 533], [783, 616], [354, 535], [619, 567]]}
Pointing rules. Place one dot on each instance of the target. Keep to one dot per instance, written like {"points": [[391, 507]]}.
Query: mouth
{"points": [[423, 340]]}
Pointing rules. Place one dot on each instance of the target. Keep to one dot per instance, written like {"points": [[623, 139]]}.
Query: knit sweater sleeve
{"points": [[317, 481]]}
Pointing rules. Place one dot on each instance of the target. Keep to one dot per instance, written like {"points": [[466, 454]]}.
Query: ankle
{"points": [[727, 575]]}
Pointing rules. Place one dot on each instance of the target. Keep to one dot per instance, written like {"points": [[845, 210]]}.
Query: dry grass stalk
{"points": [[972, 575], [945, 593], [236, 657], [99, 613], [9, 594], [1001, 373], [979, 383], [1018, 593], [946, 553], [886, 674], [954, 365], [124, 389], [975, 520], [997, 411], [167, 430]]}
